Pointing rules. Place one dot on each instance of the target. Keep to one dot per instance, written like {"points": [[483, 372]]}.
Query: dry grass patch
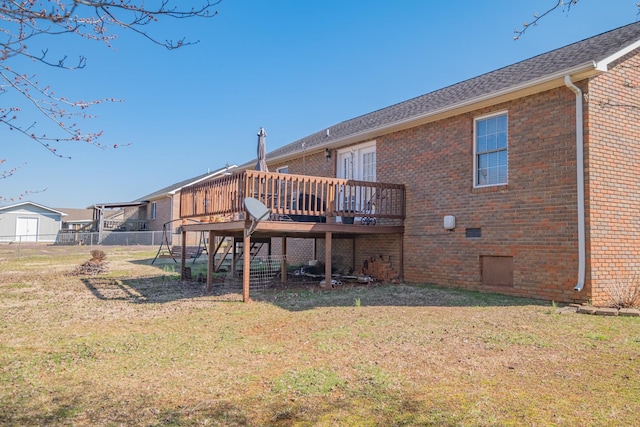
{"points": [[135, 347]]}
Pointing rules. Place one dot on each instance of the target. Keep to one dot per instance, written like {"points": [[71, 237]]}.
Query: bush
{"points": [[624, 293], [98, 255]]}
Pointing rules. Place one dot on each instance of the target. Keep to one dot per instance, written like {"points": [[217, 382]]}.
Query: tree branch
{"points": [[26, 20], [564, 4]]}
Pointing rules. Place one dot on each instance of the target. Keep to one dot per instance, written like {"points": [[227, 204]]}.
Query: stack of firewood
{"points": [[380, 269]]}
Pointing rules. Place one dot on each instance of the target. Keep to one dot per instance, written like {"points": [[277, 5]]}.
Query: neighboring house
{"points": [[29, 222], [162, 207], [153, 212], [76, 219], [524, 180]]}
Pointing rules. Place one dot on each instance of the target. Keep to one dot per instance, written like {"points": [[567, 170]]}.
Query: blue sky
{"points": [[293, 67]]}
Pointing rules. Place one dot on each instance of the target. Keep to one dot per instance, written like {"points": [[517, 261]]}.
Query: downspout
{"points": [[580, 180]]}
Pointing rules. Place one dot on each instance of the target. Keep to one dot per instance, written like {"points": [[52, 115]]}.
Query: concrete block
{"points": [[607, 311], [632, 312]]}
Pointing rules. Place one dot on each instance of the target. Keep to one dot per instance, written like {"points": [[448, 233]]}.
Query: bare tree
{"points": [[564, 5], [25, 23]]}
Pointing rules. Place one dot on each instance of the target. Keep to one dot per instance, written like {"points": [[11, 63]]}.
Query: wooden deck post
{"points": [[327, 259], [211, 259], [246, 266], [283, 261], [183, 256], [234, 257]]}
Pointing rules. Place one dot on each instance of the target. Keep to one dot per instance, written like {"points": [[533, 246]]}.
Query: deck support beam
{"points": [[327, 259], [283, 261], [211, 256], [183, 255], [246, 266]]}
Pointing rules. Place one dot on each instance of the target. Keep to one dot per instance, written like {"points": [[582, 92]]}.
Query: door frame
{"points": [[29, 237]]}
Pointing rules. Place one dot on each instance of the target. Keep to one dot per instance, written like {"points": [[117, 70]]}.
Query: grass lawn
{"points": [[135, 347]]}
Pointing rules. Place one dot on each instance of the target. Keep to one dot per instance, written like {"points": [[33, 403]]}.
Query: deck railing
{"points": [[297, 197], [127, 225]]}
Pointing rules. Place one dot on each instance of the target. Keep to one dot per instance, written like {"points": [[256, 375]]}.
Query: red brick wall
{"points": [[532, 219], [373, 247], [315, 164], [613, 159]]}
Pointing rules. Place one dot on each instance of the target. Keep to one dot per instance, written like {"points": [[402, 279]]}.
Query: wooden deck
{"points": [[300, 206]]}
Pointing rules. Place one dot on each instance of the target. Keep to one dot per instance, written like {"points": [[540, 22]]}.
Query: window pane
{"points": [[482, 144], [502, 158], [482, 128], [491, 126], [482, 161], [493, 176], [482, 176], [493, 160], [369, 166], [502, 174], [492, 142], [501, 140], [501, 123]]}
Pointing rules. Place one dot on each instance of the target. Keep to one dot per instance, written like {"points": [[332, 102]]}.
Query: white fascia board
{"points": [[34, 204], [603, 65]]}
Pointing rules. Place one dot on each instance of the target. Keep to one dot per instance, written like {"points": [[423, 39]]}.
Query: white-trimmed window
{"points": [[153, 210], [490, 150]]}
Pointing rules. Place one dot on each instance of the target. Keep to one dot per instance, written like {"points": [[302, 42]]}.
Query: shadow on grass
{"points": [[163, 263], [155, 289], [284, 410], [403, 295], [297, 297], [306, 295]]}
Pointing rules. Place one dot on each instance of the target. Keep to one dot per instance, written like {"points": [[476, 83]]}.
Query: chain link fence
{"points": [[90, 239]]}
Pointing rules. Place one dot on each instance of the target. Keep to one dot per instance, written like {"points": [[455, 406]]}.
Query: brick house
{"points": [[163, 206], [524, 180]]}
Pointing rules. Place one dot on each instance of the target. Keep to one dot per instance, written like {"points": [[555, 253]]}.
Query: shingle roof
{"points": [[171, 188], [591, 50], [179, 185], [76, 215]]}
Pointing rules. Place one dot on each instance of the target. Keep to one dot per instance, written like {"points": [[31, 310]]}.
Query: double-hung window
{"points": [[490, 150], [153, 210]]}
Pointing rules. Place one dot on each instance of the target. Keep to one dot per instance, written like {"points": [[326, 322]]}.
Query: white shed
{"points": [[29, 222]]}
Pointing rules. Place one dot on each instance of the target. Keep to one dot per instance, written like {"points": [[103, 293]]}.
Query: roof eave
{"points": [[603, 64], [34, 204]]}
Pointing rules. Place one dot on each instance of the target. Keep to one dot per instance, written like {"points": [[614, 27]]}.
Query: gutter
{"points": [[580, 180]]}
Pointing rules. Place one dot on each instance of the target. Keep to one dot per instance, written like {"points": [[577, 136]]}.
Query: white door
{"points": [[27, 229], [357, 163]]}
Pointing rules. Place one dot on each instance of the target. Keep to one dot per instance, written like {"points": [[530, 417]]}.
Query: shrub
{"points": [[98, 255], [624, 293]]}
